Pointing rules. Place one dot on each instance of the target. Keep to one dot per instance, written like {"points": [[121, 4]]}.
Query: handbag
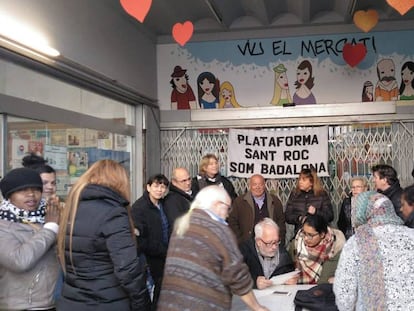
{"points": [[320, 297]]}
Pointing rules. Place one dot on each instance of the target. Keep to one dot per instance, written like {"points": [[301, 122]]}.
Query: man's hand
{"points": [[262, 282]]}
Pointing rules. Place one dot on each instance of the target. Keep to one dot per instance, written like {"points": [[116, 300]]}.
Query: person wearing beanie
{"points": [[28, 229]]}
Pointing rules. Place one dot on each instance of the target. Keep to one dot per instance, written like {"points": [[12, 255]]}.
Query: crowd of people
{"points": [[192, 243]]}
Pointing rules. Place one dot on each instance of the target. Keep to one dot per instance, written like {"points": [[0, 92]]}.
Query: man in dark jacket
{"points": [[179, 197], [386, 182], [264, 255], [152, 229], [407, 206], [252, 207]]}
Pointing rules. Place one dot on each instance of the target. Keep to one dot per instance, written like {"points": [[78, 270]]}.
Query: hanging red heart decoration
{"points": [[137, 8], [353, 54], [366, 20], [402, 6], [182, 32]]}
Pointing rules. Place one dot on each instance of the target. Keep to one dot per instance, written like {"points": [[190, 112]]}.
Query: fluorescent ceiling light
{"points": [[25, 35]]}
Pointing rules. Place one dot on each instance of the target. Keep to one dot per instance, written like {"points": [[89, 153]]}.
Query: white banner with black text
{"points": [[277, 153]]}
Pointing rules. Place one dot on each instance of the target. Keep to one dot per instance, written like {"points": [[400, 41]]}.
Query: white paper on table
{"points": [[282, 278]]}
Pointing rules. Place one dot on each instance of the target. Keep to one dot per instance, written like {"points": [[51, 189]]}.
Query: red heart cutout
{"points": [[182, 32], [353, 54], [137, 8], [402, 6]]}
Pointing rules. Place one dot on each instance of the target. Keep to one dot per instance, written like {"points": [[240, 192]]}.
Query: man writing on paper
{"points": [[264, 255]]}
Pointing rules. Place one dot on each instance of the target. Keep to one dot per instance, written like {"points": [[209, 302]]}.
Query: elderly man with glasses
{"points": [[264, 255], [179, 197]]}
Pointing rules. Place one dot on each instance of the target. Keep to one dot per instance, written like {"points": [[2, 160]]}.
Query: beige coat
{"points": [[28, 266]]}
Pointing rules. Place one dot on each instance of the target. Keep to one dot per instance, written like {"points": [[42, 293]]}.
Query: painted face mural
{"points": [[180, 84], [207, 86], [386, 71], [303, 75], [283, 81]]}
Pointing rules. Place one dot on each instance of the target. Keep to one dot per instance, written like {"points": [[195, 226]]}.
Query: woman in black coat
{"points": [[308, 197], [208, 175], [96, 245]]}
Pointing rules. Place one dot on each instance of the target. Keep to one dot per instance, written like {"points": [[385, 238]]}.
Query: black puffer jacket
{"points": [[299, 203], [344, 219], [394, 194], [106, 272]]}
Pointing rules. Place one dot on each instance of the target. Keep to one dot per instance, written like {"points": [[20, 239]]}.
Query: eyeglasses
{"points": [[184, 180], [270, 244], [307, 235]]}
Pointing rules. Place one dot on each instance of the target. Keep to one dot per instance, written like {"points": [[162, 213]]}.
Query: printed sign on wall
{"points": [[277, 154]]}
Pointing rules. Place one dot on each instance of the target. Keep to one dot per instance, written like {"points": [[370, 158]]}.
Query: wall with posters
{"points": [[273, 71], [70, 151]]}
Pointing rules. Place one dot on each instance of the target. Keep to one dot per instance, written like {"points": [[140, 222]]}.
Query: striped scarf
{"points": [[311, 259]]}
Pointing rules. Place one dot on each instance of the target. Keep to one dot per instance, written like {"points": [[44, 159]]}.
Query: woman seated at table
{"points": [[316, 249]]}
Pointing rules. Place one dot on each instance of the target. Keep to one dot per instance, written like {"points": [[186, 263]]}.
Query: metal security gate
{"points": [[353, 149]]}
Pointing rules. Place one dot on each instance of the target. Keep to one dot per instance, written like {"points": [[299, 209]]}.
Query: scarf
{"points": [[10, 212], [372, 209], [204, 181], [311, 259]]}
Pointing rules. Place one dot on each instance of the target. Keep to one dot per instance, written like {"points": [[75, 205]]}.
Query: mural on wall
{"points": [[227, 96], [281, 92], [208, 90], [182, 95], [407, 81], [304, 83], [368, 92], [387, 87], [261, 69]]}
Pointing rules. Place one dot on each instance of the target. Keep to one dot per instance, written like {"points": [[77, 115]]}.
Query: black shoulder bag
{"points": [[320, 297]]}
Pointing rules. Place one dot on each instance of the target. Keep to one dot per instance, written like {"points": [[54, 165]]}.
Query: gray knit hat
{"points": [[19, 179]]}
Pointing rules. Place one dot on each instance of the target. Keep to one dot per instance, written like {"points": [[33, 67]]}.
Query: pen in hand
{"points": [[282, 293]]}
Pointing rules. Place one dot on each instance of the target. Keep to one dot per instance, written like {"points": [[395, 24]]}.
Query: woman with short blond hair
{"points": [[209, 174]]}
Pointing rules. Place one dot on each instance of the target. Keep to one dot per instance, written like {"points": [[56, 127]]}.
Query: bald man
{"points": [[179, 197], [253, 206]]}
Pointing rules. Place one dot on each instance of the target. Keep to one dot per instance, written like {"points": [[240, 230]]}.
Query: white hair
{"points": [[258, 229], [205, 200]]}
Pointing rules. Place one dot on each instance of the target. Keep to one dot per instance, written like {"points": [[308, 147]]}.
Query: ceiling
{"points": [[236, 16]]}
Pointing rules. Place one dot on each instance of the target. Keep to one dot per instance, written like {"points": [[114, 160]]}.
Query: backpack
{"points": [[320, 297]]}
